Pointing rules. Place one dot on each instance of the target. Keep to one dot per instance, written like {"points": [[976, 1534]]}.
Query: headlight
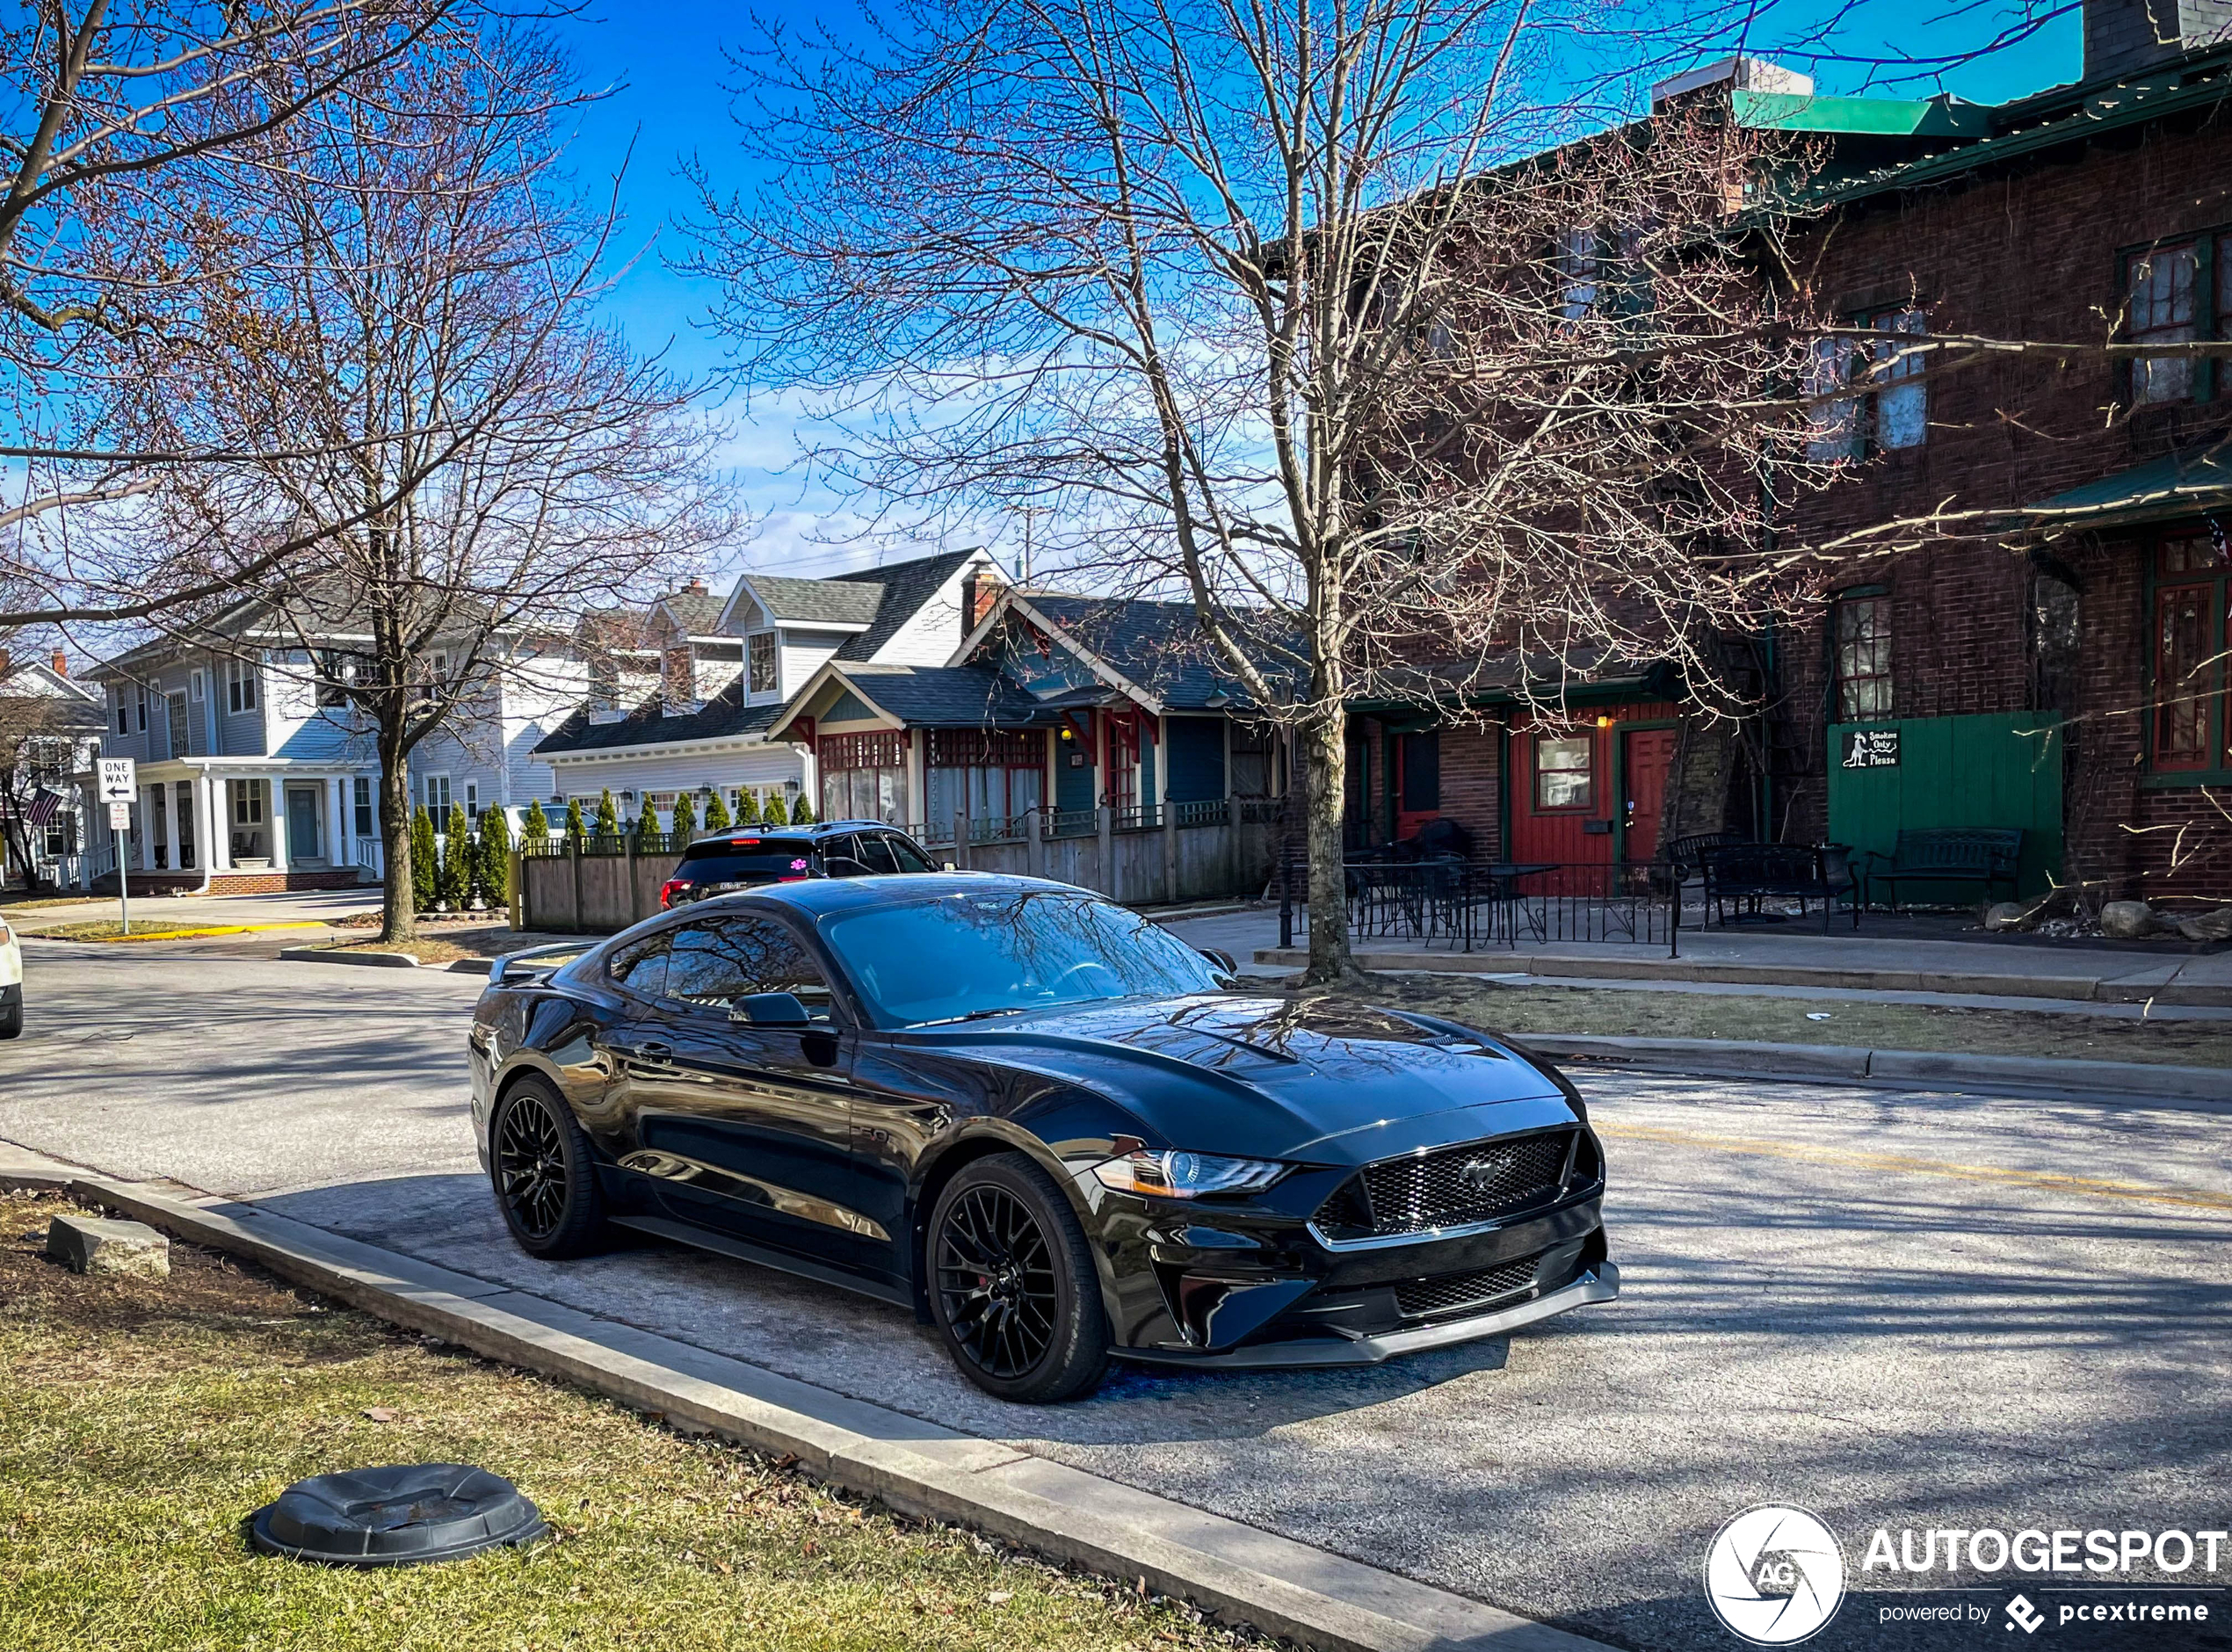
{"points": [[1186, 1175]]}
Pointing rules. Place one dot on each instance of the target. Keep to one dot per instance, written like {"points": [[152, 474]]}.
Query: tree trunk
{"points": [[1323, 739], [398, 913]]}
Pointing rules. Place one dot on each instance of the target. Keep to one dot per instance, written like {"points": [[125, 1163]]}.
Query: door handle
{"points": [[649, 1053]]}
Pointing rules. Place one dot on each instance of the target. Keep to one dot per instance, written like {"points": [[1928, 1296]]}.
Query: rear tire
{"points": [[12, 1019], [544, 1179], [1012, 1285]]}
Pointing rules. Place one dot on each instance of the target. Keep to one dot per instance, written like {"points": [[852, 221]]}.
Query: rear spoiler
{"points": [[533, 963]]}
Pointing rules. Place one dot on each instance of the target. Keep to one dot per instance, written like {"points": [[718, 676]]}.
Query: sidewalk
{"points": [[1787, 957], [154, 912]]}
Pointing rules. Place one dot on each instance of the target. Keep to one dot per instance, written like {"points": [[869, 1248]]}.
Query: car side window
{"points": [[639, 967], [909, 858], [841, 856], [875, 853], [714, 964]]}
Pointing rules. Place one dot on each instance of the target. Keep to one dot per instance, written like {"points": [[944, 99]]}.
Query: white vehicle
{"points": [[10, 982]]}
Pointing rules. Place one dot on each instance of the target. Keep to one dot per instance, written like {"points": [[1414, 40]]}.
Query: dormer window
{"points": [[760, 658]]}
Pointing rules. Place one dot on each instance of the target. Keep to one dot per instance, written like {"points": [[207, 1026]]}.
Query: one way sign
{"points": [[117, 780]]}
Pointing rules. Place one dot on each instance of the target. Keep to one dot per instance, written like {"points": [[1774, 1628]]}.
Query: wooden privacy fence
{"points": [[1157, 855]]}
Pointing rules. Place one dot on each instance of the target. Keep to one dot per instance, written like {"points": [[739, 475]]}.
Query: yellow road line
{"points": [[2088, 1185], [182, 934]]}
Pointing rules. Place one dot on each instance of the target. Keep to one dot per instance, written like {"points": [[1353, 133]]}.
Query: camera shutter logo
{"points": [[1774, 1574]]}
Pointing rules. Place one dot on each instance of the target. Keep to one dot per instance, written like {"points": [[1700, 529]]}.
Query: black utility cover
{"points": [[404, 1514]]}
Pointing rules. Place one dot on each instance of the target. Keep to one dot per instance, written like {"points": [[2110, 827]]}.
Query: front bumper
{"points": [[1598, 1284]]}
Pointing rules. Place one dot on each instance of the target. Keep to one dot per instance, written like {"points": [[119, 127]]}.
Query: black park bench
{"points": [[1748, 873], [1947, 854]]}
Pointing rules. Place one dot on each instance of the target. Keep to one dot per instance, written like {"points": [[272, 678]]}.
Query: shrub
{"points": [[535, 829], [608, 815], [454, 886], [747, 807], [801, 812], [496, 859], [685, 816], [717, 813], [423, 869], [775, 813], [577, 827]]}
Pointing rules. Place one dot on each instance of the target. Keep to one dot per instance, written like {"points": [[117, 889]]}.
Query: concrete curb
{"points": [[2083, 988], [2145, 1080], [381, 960], [1238, 1572]]}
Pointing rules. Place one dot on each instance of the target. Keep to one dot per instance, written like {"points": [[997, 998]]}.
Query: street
{"points": [[1891, 1308]]}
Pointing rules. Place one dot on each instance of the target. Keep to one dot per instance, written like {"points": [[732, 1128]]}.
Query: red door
{"points": [[1646, 760]]}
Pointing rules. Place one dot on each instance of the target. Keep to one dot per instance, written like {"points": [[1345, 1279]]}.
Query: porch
{"points": [[236, 826]]}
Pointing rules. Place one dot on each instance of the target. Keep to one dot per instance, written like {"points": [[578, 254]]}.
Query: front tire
{"points": [[1012, 1284], [546, 1181], [11, 1017]]}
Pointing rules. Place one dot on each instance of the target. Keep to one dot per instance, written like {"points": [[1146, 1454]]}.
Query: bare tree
{"points": [[428, 399], [118, 119], [1299, 312]]}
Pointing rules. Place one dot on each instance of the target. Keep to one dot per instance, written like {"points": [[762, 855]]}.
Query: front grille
{"points": [[1449, 1187], [1454, 1293]]}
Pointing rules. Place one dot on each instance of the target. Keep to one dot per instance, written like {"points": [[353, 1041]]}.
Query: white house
{"points": [[255, 772], [682, 700], [50, 726]]}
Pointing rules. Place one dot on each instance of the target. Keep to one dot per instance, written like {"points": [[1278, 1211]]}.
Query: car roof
{"points": [[813, 828], [819, 897]]}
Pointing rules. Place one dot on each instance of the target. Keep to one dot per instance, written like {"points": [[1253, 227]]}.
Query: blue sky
{"points": [[667, 70]]}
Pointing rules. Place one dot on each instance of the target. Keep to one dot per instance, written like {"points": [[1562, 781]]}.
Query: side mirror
{"points": [[947, 865], [1226, 963], [769, 1009]]}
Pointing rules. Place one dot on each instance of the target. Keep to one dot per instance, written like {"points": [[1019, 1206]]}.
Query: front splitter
{"points": [[1599, 1284]]}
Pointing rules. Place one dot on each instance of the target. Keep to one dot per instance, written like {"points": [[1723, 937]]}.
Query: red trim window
{"points": [[1565, 772], [2161, 284], [1123, 760], [2189, 608], [864, 777]]}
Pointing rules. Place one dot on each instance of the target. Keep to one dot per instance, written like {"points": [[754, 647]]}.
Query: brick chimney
{"points": [[61, 664], [2132, 37], [981, 588]]}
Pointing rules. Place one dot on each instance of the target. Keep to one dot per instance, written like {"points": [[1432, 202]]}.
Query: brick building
{"points": [[2048, 652], [2050, 658]]}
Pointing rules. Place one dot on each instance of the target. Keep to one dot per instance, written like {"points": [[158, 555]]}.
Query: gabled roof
{"points": [[1156, 652], [830, 603], [870, 603], [696, 611], [924, 696], [906, 587], [723, 717], [67, 705]]}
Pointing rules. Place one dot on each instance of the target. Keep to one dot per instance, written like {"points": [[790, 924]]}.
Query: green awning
{"points": [[2179, 485]]}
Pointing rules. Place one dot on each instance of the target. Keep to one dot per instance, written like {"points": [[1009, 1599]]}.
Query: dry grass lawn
{"points": [[1519, 1010], [141, 1423]]}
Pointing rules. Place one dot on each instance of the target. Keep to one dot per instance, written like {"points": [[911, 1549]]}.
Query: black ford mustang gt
{"points": [[1041, 1121]]}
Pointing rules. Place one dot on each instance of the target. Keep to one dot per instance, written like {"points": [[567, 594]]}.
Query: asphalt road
{"points": [[1892, 1307]]}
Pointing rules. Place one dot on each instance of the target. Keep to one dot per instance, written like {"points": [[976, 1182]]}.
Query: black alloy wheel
{"points": [[538, 1159], [1012, 1284]]}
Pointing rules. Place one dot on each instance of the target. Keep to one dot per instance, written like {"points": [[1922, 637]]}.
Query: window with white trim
{"points": [[362, 798], [435, 790], [240, 686], [759, 649]]}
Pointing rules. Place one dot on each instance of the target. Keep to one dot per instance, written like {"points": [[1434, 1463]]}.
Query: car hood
{"points": [[1275, 1078]]}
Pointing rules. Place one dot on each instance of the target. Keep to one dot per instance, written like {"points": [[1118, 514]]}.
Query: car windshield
{"points": [[973, 954]]}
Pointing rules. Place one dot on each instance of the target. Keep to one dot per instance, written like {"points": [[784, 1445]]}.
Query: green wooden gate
{"points": [[1998, 769]]}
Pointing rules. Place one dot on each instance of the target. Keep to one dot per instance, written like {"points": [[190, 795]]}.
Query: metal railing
{"points": [[1466, 905]]}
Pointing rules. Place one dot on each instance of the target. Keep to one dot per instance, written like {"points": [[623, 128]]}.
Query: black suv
{"points": [[748, 856]]}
